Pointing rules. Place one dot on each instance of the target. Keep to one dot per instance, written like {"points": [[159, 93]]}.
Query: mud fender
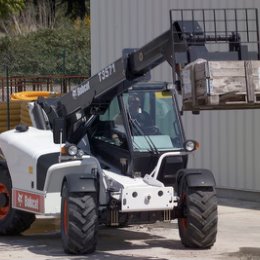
{"points": [[81, 182], [195, 178]]}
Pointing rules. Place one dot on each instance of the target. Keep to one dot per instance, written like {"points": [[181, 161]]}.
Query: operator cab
{"points": [[138, 126]]}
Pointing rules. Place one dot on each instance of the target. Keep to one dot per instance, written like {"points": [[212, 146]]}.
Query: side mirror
{"points": [[59, 131]]}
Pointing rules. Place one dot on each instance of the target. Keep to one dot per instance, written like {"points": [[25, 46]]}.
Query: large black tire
{"points": [[198, 226], [79, 222], [12, 221]]}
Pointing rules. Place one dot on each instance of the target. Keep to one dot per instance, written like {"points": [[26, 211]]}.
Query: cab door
{"points": [[108, 139]]}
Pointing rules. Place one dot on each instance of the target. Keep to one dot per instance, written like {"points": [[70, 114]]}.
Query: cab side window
{"points": [[110, 127]]}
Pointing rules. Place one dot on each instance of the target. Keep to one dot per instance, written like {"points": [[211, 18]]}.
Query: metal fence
{"points": [[53, 83]]}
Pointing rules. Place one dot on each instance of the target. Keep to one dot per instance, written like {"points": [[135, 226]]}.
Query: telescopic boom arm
{"points": [[182, 43]]}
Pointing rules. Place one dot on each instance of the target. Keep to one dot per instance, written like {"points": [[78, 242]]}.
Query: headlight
{"points": [[80, 153], [191, 145], [72, 150]]}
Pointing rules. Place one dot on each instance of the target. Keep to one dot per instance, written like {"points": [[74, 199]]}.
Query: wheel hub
{"points": [[4, 201]]}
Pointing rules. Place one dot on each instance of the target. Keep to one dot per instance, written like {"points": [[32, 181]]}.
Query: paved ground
{"points": [[238, 238]]}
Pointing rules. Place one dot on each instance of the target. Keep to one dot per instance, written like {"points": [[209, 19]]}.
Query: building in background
{"points": [[230, 140]]}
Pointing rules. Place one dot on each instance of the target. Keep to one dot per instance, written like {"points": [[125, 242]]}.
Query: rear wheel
{"points": [[79, 222], [12, 221], [198, 226]]}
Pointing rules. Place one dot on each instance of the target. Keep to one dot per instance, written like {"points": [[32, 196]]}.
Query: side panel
{"points": [[43, 164], [57, 172], [52, 204], [38, 203], [89, 165], [147, 198], [21, 151], [28, 201]]}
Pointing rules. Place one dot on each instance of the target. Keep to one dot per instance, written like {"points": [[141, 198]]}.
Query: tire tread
{"points": [[82, 224], [201, 213]]}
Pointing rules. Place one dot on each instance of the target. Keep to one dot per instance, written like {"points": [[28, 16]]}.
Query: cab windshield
{"points": [[153, 121], [140, 120]]}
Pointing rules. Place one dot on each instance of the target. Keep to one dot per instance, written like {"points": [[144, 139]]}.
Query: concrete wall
{"points": [[230, 140]]}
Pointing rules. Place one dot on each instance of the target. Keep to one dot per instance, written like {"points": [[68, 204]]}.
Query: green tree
{"points": [[77, 8], [8, 7]]}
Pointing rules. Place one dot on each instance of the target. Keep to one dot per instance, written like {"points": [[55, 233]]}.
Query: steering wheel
{"points": [[151, 130]]}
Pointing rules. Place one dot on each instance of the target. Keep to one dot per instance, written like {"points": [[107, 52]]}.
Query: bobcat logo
{"points": [[28, 201], [20, 199]]}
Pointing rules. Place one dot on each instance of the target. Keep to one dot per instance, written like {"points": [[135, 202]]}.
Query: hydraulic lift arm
{"points": [[93, 96], [95, 93]]}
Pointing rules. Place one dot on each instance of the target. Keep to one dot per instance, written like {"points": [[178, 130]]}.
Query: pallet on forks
{"points": [[223, 68], [221, 85]]}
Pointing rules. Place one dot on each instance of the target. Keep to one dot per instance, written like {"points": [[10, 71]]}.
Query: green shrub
{"points": [[48, 51]]}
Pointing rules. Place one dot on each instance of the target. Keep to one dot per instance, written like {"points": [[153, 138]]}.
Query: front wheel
{"points": [[198, 224], [79, 222], [12, 221]]}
